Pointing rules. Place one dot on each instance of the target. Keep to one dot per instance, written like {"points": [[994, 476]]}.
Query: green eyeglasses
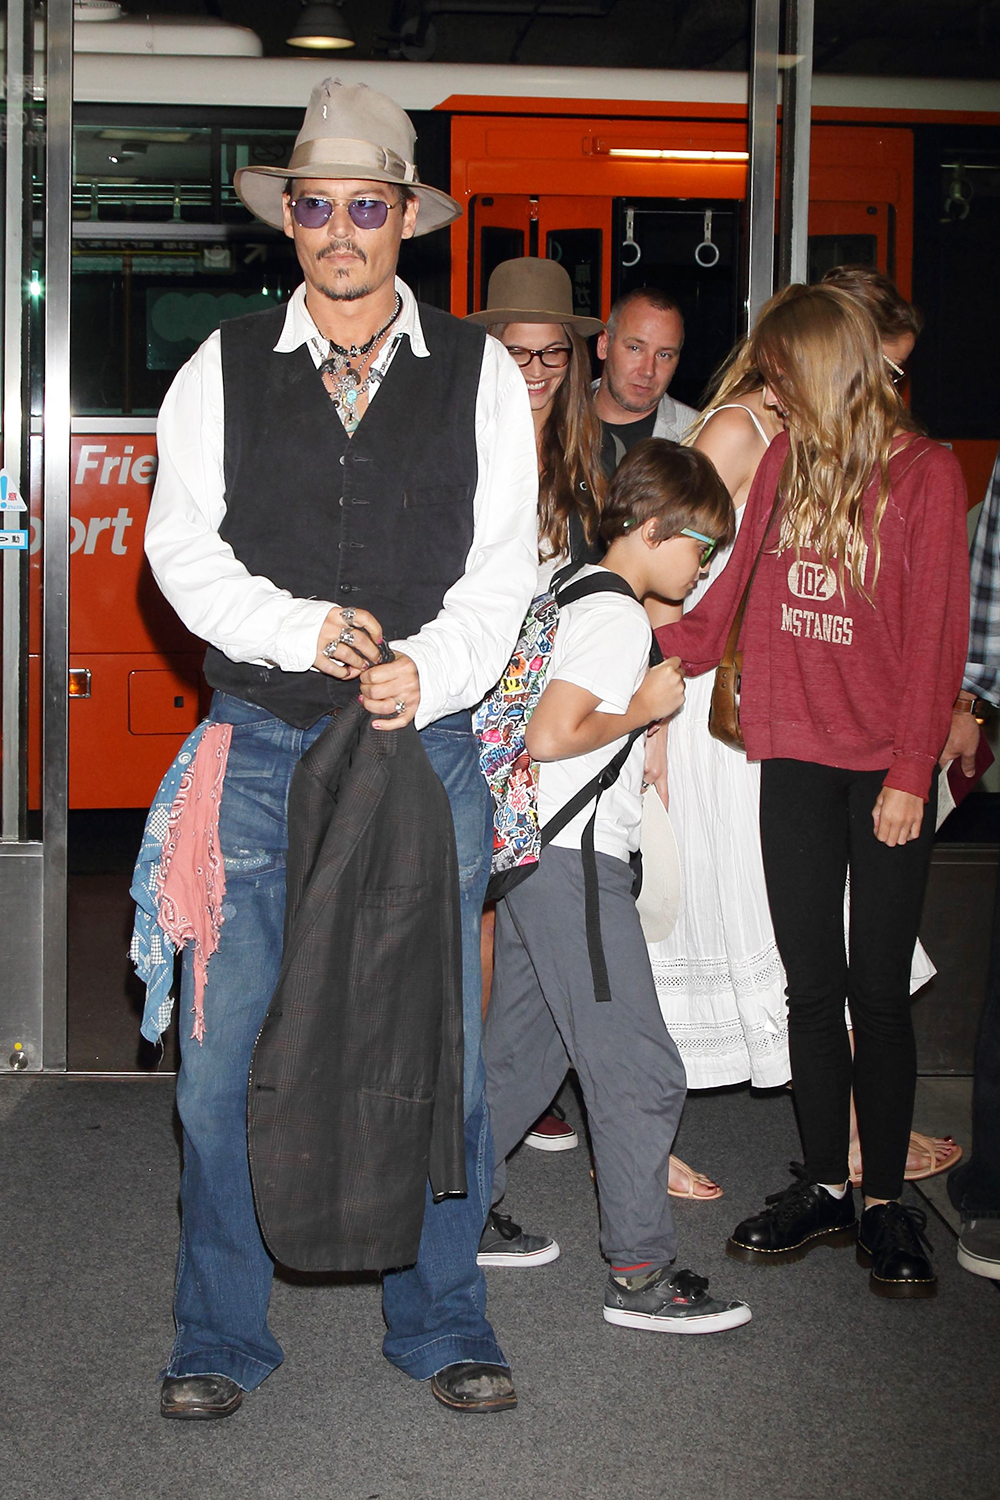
{"points": [[709, 547]]}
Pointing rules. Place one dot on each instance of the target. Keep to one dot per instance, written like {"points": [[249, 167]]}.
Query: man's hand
{"points": [[661, 692], [350, 656], [963, 740], [384, 687], [897, 816]]}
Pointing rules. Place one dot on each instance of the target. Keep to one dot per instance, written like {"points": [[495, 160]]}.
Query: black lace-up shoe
{"points": [[504, 1243], [890, 1240], [665, 1303], [795, 1221]]}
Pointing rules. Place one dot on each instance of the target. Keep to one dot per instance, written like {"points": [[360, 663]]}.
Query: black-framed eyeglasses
{"points": [[555, 357], [365, 213]]}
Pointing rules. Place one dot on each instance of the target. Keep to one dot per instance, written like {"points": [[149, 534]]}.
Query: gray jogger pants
{"points": [[543, 1019]]}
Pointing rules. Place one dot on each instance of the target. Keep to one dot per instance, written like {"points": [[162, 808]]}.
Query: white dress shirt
{"points": [[459, 654]]}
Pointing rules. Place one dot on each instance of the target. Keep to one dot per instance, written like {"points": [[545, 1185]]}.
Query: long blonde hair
{"points": [[818, 350], [571, 479]]}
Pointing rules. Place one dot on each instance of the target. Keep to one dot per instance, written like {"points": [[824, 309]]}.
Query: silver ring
{"points": [[346, 637], [400, 705], [329, 650], [348, 614]]}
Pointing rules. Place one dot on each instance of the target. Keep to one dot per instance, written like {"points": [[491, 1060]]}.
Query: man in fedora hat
{"points": [[348, 466]]}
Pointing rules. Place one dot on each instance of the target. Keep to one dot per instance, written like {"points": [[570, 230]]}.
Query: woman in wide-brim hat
{"points": [[529, 308]]}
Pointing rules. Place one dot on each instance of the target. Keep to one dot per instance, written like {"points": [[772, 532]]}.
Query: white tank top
{"points": [[722, 557], [738, 406]]}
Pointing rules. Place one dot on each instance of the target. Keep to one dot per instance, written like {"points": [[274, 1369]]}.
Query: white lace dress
{"points": [[719, 979]]}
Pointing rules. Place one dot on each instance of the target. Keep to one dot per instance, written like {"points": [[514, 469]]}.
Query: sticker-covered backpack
{"points": [[512, 776], [500, 722]]}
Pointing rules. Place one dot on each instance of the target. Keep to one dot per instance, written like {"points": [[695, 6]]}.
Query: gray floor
{"points": [[829, 1392]]}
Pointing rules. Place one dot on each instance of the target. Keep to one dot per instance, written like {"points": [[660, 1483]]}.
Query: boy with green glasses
{"points": [[665, 511]]}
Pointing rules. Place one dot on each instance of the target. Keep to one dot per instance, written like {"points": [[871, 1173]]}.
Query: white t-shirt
{"points": [[602, 644]]}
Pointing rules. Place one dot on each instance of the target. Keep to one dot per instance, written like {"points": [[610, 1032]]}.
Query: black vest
{"points": [[382, 520]]}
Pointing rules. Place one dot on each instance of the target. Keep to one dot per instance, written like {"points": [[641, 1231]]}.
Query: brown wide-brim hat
{"points": [[531, 290], [349, 132]]}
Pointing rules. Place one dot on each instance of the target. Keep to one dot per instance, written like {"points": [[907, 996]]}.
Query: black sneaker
{"points": [[890, 1240], [504, 1243], [794, 1222], [670, 1304]]}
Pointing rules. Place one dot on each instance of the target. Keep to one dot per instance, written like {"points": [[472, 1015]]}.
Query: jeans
{"points": [[815, 824], [974, 1185], [435, 1310]]}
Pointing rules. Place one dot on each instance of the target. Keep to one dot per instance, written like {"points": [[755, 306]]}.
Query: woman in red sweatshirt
{"points": [[853, 643]]}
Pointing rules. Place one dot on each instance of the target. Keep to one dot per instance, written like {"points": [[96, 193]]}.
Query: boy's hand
{"points": [[662, 689]]}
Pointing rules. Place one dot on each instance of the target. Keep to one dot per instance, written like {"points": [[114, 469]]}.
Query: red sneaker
{"points": [[552, 1132]]}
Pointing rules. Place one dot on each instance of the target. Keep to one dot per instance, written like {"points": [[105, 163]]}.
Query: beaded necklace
{"points": [[341, 372]]}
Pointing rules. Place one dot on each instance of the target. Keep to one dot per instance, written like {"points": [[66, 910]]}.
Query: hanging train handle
{"points": [[707, 253], [628, 243]]}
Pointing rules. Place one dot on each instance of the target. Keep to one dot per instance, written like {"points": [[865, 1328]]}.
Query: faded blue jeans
{"points": [[435, 1310]]}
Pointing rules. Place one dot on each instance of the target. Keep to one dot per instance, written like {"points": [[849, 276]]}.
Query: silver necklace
{"points": [[346, 383]]}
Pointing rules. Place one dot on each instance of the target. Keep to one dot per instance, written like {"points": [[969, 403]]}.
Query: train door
{"points": [[572, 230], [626, 203]]}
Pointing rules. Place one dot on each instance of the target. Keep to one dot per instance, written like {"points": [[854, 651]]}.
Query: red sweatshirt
{"points": [[839, 681]]}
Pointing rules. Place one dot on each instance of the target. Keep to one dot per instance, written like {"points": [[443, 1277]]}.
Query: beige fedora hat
{"points": [[531, 290], [349, 131]]}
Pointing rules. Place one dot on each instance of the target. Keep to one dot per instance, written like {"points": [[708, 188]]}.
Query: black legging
{"points": [[815, 823]]}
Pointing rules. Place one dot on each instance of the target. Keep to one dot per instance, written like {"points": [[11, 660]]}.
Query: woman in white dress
{"points": [[719, 978], [718, 975]]}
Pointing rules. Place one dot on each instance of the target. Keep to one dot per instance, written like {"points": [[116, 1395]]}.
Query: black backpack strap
{"points": [[604, 582], [591, 888], [595, 583]]}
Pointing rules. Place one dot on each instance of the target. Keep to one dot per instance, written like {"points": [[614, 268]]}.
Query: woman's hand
{"points": [[897, 816], [661, 692], [348, 657]]}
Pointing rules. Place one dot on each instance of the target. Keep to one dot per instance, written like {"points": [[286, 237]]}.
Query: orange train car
{"points": [[628, 177]]}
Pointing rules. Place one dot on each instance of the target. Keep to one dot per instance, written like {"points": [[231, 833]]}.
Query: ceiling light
{"points": [[639, 153], [321, 27]]}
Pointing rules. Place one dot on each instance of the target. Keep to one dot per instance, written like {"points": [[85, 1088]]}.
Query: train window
{"points": [[671, 237], [829, 250], [248, 148], [143, 173], [956, 233], [496, 244], [579, 251], [139, 309]]}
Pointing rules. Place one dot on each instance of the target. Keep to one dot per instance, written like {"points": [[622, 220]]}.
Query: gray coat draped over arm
{"points": [[356, 1085]]}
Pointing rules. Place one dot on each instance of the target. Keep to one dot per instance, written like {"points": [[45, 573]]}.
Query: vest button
{"points": [[346, 588], [343, 458]]}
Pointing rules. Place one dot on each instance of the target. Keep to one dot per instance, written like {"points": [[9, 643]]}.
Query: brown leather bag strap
{"points": [[734, 629]]}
